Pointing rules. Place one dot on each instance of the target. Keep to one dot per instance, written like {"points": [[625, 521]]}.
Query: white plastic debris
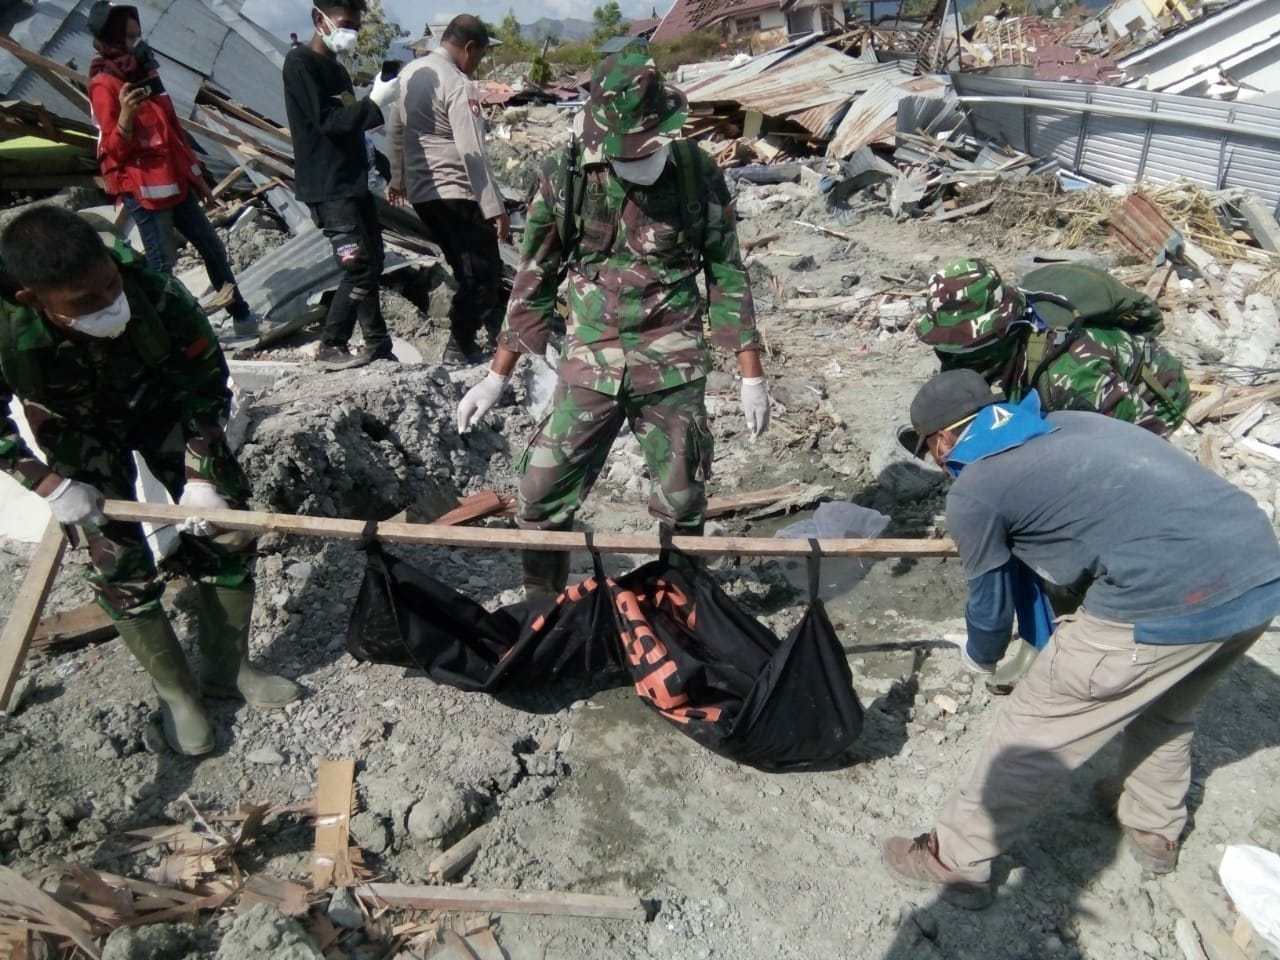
{"points": [[1252, 878]]}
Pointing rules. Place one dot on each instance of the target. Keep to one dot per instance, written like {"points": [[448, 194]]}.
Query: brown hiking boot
{"points": [[1152, 851], [915, 860]]}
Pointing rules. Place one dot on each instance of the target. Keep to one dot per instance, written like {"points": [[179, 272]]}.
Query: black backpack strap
{"points": [[813, 563], [572, 198]]}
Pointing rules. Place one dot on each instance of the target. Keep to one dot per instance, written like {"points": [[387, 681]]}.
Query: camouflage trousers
{"points": [[124, 576], [570, 446]]}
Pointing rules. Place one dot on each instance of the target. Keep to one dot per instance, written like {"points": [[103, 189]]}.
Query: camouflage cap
{"points": [[970, 308], [631, 113]]}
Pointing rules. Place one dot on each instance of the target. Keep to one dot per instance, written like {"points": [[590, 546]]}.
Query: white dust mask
{"points": [[645, 171], [108, 323], [341, 40]]}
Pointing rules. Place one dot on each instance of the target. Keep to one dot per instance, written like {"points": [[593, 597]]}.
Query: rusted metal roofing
{"points": [[1142, 226], [809, 84], [873, 116]]}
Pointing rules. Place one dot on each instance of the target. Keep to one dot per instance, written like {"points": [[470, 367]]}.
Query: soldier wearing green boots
{"points": [[633, 217], [109, 358]]}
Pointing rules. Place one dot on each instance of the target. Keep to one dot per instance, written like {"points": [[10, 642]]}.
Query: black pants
{"points": [[352, 227], [470, 245]]}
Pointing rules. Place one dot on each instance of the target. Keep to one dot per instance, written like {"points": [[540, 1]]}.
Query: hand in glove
{"points": [[202, 495], [74, 503], [755, 404], [384, 92], [479, 400]]}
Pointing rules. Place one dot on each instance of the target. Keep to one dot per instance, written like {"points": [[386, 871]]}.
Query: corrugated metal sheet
{"points": [[1119, 135], [873, 116], [810, 86], [198, 40]]}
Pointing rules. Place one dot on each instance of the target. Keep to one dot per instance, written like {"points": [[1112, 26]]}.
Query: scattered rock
{"points": [[344, 911], [159, 941], [266, 932], [268, 756], [371, 832], [438, 816]]}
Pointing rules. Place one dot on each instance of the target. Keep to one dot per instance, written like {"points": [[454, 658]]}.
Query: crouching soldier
{"points": [[108, 358], [1073, 333]]}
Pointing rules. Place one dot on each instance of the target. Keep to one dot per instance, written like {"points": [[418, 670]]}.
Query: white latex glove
{"points": [[74, 503], [384, 92], [202, 495], [479, 400], [755, 404]]}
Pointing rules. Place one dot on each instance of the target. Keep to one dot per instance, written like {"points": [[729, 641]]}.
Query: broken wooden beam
{"points": [[486, 503], [512, 539], [335, 790], [450, 863], [79, 626], [549, 903], [24, 615]]}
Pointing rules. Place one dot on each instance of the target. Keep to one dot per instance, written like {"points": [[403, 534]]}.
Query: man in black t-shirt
{"points": [[331, 175]]}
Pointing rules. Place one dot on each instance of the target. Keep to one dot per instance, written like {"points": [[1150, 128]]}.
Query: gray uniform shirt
{"points": [[1158, 534], [435, 137]]}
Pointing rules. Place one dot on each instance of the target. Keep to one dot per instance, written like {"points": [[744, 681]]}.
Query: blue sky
{"points": [[294, 16]]}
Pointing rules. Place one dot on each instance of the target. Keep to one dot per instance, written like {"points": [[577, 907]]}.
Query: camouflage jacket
{"points": [[634, 302], [166, 369]]}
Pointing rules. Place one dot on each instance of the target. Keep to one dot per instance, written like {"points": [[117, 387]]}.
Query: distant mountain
{"points": [[569, 28]]}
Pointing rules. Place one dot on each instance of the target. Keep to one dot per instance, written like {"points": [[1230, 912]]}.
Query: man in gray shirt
{"points": [[1183, 575], [438, 164]]}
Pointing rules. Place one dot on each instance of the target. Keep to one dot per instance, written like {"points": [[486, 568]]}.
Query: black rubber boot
{"points": [[545, 572]]}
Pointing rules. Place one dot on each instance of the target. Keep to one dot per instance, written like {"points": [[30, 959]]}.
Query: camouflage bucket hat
{"points": [[631, 113], [970, 308]]}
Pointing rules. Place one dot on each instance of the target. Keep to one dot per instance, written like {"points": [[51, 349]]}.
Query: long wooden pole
{"points": [[492, 538]]}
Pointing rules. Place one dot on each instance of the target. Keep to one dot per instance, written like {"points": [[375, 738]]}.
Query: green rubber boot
{"points": [[150, 638], [1007, 675], [545, 572], [225, 613]]}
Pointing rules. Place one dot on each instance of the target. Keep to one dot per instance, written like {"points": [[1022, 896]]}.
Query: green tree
{"points": [[609, 22], [515, 46], [376, 36]]}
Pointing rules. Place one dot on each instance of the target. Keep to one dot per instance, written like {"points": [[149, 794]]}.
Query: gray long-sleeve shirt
{"points": [[436, 137]]}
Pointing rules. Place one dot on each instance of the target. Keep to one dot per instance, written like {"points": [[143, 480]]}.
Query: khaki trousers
{"points": [[1092, 682]]}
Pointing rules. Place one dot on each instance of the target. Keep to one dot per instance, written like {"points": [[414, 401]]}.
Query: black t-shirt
{"points": [[328, 124]]}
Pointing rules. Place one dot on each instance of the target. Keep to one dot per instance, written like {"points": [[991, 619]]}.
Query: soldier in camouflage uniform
{"points": [[1075, 334], [635, 350], [108, 358]]}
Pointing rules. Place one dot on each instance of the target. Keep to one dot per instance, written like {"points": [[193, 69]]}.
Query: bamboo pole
{"points": [[493, 538]]}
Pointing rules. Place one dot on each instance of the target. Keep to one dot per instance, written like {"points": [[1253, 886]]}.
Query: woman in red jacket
{"points": [[146, 159]]}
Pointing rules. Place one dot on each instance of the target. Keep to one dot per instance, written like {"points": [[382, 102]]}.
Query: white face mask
{"points": [[108, 323], [644, 172], [341, 40]]}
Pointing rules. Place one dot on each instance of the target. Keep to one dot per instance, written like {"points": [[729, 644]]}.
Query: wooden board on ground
{"points": [[24, 615], [451, 862], [331, 863], [486, 503], [84, 624], [507, 539], [548, 903]]}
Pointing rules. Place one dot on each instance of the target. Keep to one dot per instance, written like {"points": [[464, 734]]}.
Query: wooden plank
{"points": [[331, 863], [733, 502], [959, 212], [244, 114], [485, 946], [24, 615], [88, 623], [476, 507], [450, 863], [226, 182], [1213, 936], [1209, 403], [497, 539], [1243, 400], [547, 903]]}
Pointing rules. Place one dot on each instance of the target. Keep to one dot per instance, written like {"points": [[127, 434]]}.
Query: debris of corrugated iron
{"points": [[872, 118], [1119, 135], [1143, 227]]}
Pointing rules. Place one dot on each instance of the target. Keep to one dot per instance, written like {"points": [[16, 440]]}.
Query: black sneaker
{"points": [[384, 354], [336, 356]]}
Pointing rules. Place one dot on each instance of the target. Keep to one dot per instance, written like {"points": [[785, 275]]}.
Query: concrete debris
{"points": [[266, 932]]}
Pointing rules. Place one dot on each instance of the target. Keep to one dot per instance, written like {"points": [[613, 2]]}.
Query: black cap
{"points": [[100, 15], [945, 400]]}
